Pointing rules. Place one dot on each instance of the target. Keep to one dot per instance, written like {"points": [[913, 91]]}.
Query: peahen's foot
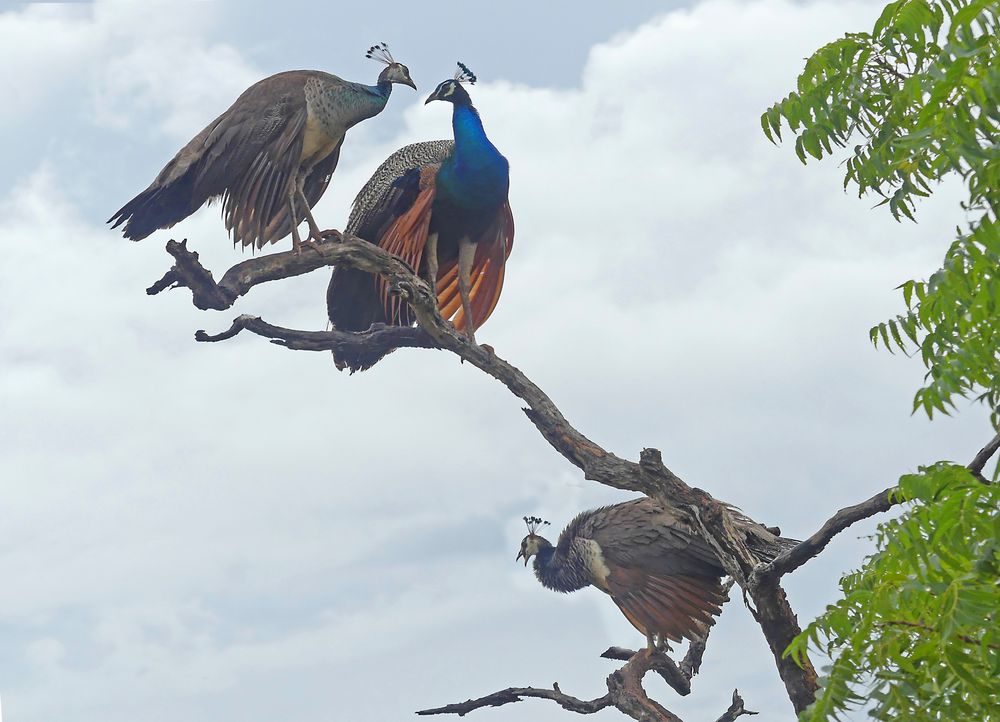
{"points": [[650, 645], [310, 243]]}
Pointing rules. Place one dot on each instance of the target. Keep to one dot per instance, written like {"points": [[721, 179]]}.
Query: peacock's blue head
{"points": [[451, 90]]}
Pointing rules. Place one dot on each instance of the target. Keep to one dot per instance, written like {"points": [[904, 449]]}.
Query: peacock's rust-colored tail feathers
{"points": [[407, 238], [486, 283]]}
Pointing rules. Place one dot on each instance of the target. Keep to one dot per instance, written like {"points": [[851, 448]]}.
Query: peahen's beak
{"points": [[409, 82], [520, 553]]}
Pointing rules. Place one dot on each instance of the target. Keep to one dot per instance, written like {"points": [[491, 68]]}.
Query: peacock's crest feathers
{"points": [[380, 54], [464, 75]]}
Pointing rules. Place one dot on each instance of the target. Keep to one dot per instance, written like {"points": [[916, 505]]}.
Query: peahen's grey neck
{"points": [[339, 106], [557, 572]]}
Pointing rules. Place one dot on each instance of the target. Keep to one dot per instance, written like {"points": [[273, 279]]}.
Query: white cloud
{"points": [[212, 531], [170, 83], [142, 71]]}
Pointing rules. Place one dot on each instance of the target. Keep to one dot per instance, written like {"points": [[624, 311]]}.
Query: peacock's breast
{"points": [[476, 184]]}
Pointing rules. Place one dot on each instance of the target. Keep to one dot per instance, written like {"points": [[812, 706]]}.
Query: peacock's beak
{"points": [[433, 96]]}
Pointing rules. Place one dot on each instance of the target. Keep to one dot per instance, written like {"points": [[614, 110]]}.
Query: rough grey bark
{"points": [[760, 582]]}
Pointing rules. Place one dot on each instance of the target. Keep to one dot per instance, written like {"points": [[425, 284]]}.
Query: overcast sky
{"points": [[237, 532]]}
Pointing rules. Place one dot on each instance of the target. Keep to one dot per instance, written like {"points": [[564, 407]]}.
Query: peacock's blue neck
{"points": [[471, 144], [476, 175]]}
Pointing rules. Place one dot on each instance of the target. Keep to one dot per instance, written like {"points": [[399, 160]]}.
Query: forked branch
{"points": [[881, 502], [188, 272], [649, 476], [625, 693], [516, 694]]}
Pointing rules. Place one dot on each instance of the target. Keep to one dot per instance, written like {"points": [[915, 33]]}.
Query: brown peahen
{"points": [[269, 157], [661, 573]]}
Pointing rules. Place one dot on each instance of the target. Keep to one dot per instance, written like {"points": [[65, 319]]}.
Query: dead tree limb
{"points": [[625, 693], [806, 550], [736, 709], [381, 337], [517, 694], [881, 502], [188, 272], [649, 476], [984, 455]]}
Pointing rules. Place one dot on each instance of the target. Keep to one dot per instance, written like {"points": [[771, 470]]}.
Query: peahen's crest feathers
{"points": [[380, 54], [464, 75], [534, 523]]}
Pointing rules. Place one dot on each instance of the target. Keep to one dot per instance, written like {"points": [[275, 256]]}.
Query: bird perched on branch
{"points": [[660, 572], [442, 207], [269, 157]]}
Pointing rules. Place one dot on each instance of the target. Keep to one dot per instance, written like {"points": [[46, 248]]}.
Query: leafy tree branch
{"points": [[915, 635], [911, 129]]}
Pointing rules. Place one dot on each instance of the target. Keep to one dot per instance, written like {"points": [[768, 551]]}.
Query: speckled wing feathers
{"points": [[375, 194]]}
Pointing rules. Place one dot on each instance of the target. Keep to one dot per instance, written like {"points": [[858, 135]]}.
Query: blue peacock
{"points": [[442, 206]]}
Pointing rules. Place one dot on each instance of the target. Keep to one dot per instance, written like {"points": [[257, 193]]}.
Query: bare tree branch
{"points": [[735, 710], [806, 550], [516, 694], [379, 337], [977, 464], [597, 464], [660, 663], [628, 695], [188, 272], [650, 476], [625, 693], [881, 502]]}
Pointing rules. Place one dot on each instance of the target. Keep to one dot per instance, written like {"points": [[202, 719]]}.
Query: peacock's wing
{"points": [[354, 302], [391, 190]]}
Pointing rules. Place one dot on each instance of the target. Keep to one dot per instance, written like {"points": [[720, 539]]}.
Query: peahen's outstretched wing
{"points": [[249, 156], [663, 576], [673, 606], [316, 184]]}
